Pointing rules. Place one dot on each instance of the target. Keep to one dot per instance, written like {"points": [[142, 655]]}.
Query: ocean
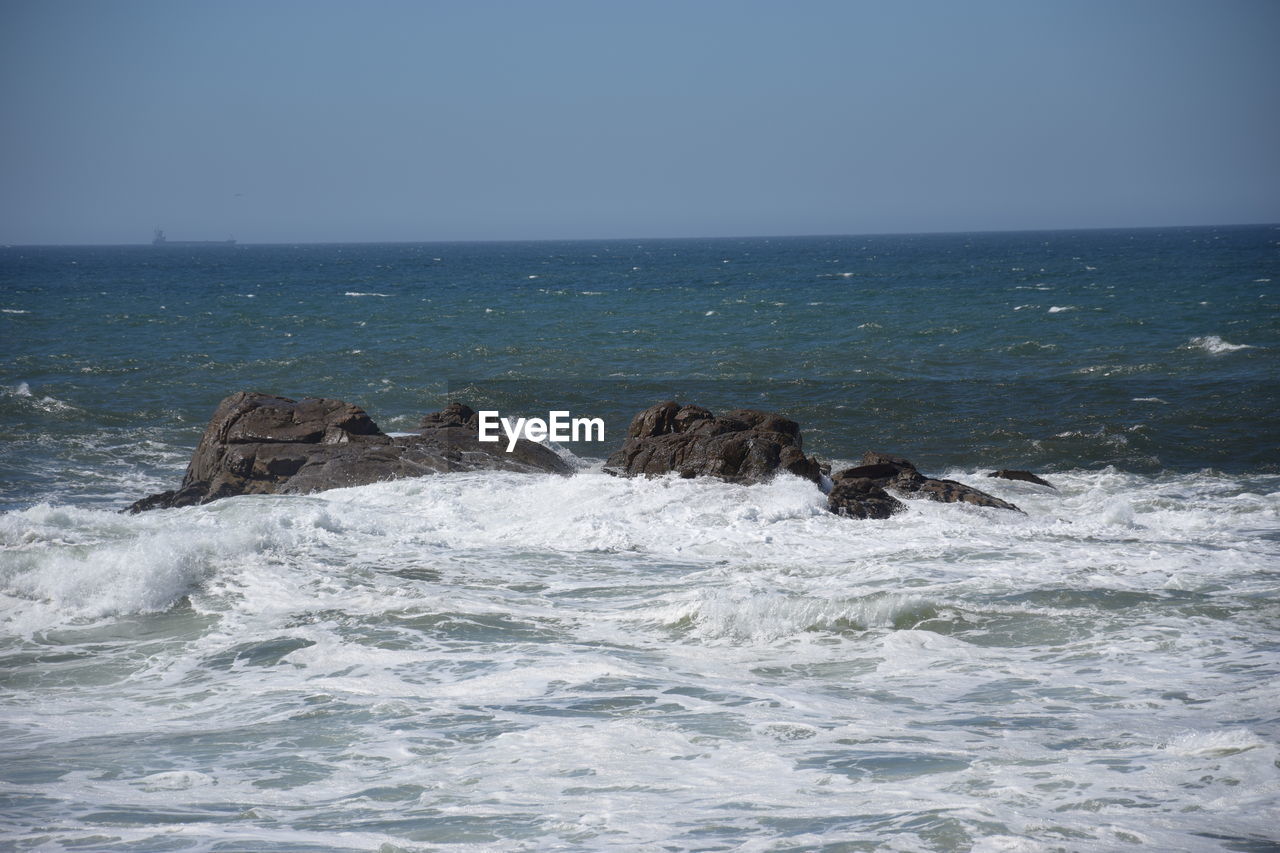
{"points": [[501, 661]]}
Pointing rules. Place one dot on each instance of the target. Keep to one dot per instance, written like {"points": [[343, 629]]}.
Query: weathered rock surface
{"points": [[860, 497], [898, 474], [262, 444], [1024, 476], [742, 446]]}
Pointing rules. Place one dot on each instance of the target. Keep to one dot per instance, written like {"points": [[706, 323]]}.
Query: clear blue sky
{"points": [[331, 121]]}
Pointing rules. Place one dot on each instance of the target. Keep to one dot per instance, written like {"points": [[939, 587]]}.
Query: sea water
{"points": [[498, 661]]}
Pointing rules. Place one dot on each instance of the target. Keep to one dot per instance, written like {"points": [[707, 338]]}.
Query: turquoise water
{"points": [[525, 662]]}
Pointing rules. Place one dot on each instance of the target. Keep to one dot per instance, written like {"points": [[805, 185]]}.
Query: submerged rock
{"points": [[898, 474], [1024, 476], [262, 444], [742, 446], [748, 446]]}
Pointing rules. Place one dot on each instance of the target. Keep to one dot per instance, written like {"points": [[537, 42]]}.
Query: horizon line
{"points": [[829, 235]]}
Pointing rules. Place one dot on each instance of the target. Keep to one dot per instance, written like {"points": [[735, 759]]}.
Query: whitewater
{"points": [[528, 661]]}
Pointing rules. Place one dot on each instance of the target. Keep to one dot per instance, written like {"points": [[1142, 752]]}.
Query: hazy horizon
{"points": [[324, 122], [179, 239]]}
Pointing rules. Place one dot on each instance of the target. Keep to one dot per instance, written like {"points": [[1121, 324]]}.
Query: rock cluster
{"points": [[742, 446], [262, 444], [860, 491]]}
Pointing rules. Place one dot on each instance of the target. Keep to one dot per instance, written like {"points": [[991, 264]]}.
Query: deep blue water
{"points": [[1149, 350]]}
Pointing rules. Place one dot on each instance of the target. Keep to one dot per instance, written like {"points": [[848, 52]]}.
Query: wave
{"points": [[1029, 347], [60, 564], [1211, 744], [50, 405], [1116, 369], [1215, 345], [364, 293], [71, 565], [764, 615]]}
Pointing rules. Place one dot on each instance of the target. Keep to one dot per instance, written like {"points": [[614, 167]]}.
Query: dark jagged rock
{"points": [[452, 415], [262, 444], [898, 474], [747, 446], [742, 446], [454, 433], [1024, 476], [860, 497]]}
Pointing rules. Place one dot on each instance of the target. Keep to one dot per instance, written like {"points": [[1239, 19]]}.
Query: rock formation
{"points": [[1025, 476], [897, 474], [260, 444], [742, 446], [860, 497]]}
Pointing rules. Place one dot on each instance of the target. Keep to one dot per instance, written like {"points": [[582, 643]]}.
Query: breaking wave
{"points": [[1215, 345]]}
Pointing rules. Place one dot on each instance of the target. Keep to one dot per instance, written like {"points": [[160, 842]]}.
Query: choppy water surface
{"points": [[500, 661]]}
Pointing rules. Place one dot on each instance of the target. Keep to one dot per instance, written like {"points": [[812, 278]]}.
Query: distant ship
{"points": [[161, 240]]}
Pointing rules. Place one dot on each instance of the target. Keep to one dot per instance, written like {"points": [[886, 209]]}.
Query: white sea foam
{"points": [[1214, 743], [175, 780], [1058, 309], [1215, 345], [46, 404], [571, 662], [1117, 369], [766, 615], [155, 557], [69, 564], [13, 311], [1030, 347], [365, 293]]}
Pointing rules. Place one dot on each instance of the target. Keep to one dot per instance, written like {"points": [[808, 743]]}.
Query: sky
{"points": [[320, 121]]}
